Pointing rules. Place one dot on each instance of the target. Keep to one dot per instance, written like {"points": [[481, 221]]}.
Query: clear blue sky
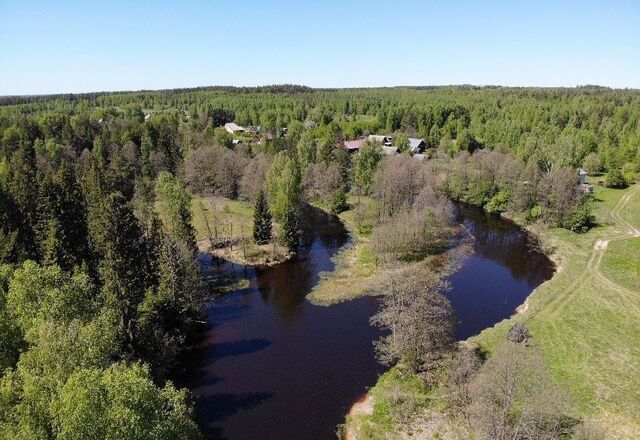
{"points": [[80, 46]]}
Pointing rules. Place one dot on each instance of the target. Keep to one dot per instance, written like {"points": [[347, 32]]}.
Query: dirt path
{"points": [[624, 231]]}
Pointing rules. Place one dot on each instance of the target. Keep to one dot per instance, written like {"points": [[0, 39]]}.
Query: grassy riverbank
{"points": [[584, 320], [224, 228], [359, 270], [355, 272]]}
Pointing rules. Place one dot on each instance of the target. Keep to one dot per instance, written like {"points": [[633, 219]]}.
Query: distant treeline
{"points": [[276, 88]]}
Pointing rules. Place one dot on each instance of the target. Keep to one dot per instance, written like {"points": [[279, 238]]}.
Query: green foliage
{"points": [[37, 294], [615, 179], [123, 283], [174, 204], [167, 312], [533, 214], [61, 221], [306, 149], [283, 186], [397, 397], [21, 177], [498, 203], [136, 290], [10, 333], [402, 142], [466, 142], [592, 163], [630, 172], [581, 218], [261, 220], [120, 403], [365, 166], [291, 229], [339, 202], [223, 138]]}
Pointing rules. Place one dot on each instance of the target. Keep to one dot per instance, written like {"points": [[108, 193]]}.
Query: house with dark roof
{"points": [[417, 145], [583, 176]]}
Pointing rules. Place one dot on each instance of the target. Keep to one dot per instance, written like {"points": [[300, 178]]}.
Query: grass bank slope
{"points": [[586, 319]]}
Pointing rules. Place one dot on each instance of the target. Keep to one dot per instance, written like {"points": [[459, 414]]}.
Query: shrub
{"points": [[499, 203], [615, 179], [411, 235], [533, 214], [592, 163], [339, 202], [580, 219]]}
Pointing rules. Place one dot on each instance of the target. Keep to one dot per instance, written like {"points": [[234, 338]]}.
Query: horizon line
{"points": [[264, 86]]}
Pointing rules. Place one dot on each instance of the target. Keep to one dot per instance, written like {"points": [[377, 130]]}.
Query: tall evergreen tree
{"points": [[175, 210], [9, 228], [261, 220], [61, 227], [123, 281], [21, 182], [291, 229]]}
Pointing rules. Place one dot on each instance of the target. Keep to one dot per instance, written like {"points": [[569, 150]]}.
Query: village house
{"points": [[583, 186], [232, 127], [417, 145], [583, 176], [254, 129], [266, 137], [381, 139], [353, 146], [390, 149]]}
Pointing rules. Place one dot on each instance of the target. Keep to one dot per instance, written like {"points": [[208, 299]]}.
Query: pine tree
{"points": [[61, 228], [175, 211], [9, 223], [21, 179], [291, 229], [72, 216], [261, 220], [122, 278]]}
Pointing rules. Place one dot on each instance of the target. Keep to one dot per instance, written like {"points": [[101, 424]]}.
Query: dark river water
{"points": [[277, 367]]}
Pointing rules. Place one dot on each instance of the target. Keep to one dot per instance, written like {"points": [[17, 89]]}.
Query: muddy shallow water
{"points": [[277, 367]]}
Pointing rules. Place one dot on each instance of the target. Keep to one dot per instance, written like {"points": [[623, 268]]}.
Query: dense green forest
{"points": [[99, 284]]}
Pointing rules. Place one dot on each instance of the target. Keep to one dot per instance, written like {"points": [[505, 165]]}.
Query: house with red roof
{"points": [[353, 146]]}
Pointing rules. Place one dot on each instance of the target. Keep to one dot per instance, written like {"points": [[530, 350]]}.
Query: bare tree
{"points": [[558, 193], [412, 234], [514, 397], [255, 174], [420, 320], [397, 182], [321, 181], [214, 170]]}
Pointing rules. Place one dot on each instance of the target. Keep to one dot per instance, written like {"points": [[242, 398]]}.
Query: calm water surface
{"points": [[277, 367]]}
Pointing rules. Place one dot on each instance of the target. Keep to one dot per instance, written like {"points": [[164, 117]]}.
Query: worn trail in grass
{"points": [[586, 318]]}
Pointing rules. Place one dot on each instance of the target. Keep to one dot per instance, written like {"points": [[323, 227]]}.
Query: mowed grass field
{"points": [[586, 319]]}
